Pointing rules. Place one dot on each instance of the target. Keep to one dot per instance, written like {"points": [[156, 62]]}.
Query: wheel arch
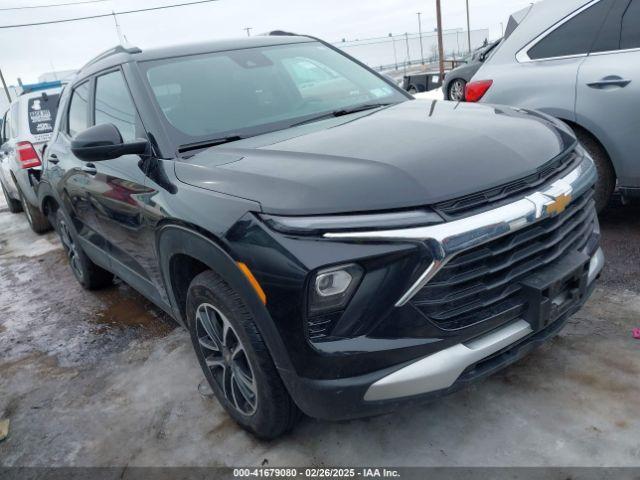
{"points": [[184, 251], [47, 202], [578, 127]]}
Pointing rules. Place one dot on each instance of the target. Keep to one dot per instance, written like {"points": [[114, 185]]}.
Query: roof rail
{"points": [[280, 33], [112, 51]]}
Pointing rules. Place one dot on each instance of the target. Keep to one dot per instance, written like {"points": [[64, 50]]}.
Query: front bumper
{"points": [[401, 362], [433, 376]]}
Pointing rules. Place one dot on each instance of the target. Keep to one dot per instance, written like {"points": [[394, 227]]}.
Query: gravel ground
{"points": [[105, 379]]}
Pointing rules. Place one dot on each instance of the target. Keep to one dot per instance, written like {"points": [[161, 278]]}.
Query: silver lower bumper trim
{"points": [[595, 266], [442, 369]]}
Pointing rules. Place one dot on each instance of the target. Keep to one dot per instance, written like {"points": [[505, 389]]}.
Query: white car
{"points": [[26, 128]]}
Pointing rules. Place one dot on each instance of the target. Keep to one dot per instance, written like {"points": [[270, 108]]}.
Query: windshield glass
{"points": [[252, 91]]}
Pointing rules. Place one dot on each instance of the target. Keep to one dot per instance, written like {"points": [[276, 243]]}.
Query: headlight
{"points": [[332, 288], [317, 225]]}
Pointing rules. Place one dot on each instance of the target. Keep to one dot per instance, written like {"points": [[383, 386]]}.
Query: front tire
{"points": [[87, 273], [37, 221], [14, 205], [235, 359], [456, 90]]}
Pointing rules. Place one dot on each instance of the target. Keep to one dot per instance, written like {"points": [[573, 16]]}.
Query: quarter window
{"points": [[573, 37], [630, 34], [79, 109], [114, 104]]}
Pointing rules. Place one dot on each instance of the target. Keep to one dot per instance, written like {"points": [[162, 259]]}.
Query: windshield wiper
{"points": [[188, 147], [343, 111]]}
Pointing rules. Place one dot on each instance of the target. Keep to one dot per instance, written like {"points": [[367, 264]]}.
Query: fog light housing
{"points": [[332, 288]]}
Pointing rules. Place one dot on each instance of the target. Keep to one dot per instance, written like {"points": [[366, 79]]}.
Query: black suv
{"points": [[333, 246]]}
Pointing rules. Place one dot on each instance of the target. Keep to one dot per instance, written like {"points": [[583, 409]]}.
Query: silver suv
{"points": [[26, 128], [580, 62]]}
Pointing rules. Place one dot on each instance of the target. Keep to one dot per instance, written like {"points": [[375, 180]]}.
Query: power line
{"points": [[104, 15], [54, 5]]}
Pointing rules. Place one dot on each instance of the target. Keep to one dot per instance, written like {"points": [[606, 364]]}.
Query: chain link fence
{"points": [[396, 52]]}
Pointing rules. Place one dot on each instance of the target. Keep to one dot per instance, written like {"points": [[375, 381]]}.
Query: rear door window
{"points": [[41, 115], [575, 36], [79, 110], [611, 36], [630, 32]]}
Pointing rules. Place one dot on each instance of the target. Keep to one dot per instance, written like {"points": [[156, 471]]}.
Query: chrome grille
{"points": [[482, 283]]}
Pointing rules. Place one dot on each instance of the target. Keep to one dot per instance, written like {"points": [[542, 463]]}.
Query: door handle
{"points": [[53, 158], [89, 168], [610, 81]]}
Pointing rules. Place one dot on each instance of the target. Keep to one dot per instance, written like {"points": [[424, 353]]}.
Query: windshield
{"points": [[252, 91]]}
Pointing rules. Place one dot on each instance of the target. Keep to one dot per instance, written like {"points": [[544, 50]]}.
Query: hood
{"points": [[412, 154]]}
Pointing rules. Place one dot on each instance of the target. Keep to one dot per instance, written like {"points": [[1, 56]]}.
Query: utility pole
{"points": [[395, 53], [501, 30], [248, 30], [121, 38], [420, 30], [406, 39], [440, 46], [468, 27], [4, 84]]}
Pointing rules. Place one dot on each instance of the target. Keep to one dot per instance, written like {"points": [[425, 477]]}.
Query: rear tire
{"points": [[37, 221], [235, 359], [87, 273], [456, 90], [14, 205], [606, 182]]}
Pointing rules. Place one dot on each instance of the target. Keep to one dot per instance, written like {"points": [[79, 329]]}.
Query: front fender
{"points": [[180, 240]]}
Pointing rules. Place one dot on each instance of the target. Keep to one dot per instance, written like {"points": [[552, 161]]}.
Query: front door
{"points": [[122, 180]]}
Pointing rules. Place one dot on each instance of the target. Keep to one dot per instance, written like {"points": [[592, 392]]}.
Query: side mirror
{"points": [[104, 142]]}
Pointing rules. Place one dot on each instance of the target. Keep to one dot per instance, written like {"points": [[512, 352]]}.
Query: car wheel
{"points": [[14, 205], [456, 90], [606, 183], [88, 274], [235, 359], [37, 221], [412, 90]]}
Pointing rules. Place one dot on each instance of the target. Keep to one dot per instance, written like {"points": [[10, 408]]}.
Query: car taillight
{"points": [[27, 155], [474, 91]]}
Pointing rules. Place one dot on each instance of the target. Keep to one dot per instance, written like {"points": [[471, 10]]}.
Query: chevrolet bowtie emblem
{"points": [[559, 204]]}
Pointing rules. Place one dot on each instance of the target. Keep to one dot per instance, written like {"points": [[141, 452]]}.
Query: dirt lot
{"points": [[102, 379]]}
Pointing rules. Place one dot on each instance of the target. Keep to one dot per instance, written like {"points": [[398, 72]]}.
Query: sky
{"points": [[28, 52]]}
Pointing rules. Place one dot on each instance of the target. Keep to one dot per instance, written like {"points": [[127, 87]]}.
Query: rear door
{"points": [[608, 90], [77, 185]]}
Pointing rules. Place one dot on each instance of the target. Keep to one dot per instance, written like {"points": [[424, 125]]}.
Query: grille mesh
{"points": [[482, 283]]}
